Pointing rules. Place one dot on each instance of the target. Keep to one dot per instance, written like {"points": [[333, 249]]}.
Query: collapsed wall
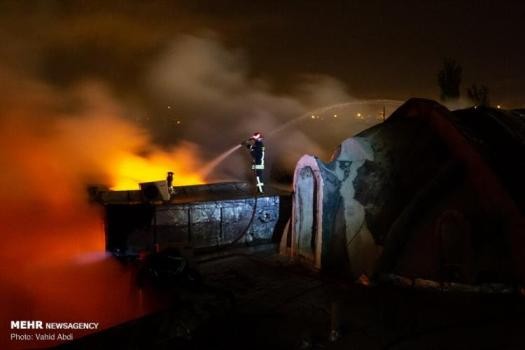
{"points": [[423, 195]]}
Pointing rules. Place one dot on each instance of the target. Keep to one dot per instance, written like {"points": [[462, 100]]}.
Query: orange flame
{"points": [[48, 229], [129, 169]]}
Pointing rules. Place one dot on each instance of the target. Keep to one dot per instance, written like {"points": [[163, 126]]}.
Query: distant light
{"points": [[335, 115], [313, 116], [359, 114], [178, 121], [498, 107], [169, 107]]}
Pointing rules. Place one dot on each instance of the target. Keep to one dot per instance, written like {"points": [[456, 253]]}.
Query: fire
{"points": [[130, 169], [52, 261]]}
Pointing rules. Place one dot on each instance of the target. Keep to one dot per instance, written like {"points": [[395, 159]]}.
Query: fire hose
{"points": [[245, 231]]}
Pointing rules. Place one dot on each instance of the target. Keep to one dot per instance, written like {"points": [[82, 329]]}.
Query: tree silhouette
{"points": [[479, 95], [449, 79]]}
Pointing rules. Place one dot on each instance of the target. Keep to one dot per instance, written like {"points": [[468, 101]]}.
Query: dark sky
{"points": [[379, 49]]}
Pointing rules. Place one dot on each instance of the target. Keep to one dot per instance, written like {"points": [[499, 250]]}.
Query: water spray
{"points": [[328, 108], [217, 160], [220, 158]]}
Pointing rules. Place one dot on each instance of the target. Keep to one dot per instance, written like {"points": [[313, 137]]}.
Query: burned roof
{"points": [[429, 193], [499, 136]]}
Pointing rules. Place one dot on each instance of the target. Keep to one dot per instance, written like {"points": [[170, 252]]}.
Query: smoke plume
{"points": [[198, 98], [52, 145], [221, 102]]}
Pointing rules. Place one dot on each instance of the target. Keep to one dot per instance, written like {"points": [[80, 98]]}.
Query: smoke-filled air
{"points": [[198, 99], [53, 144]]}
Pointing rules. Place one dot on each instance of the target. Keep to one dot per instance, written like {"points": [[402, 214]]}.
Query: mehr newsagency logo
{"points": [[26, 324]]}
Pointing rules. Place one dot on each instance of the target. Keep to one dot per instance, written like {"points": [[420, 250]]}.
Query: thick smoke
{"points": [[54, 141], [52, 262], [222, 103]]}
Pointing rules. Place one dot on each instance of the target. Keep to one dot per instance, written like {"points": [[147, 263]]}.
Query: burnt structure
{"points": [[204, 217], [430, 194]]}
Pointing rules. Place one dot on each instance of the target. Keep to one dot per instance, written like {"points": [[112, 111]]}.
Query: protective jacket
{"points": [[257, 153]]}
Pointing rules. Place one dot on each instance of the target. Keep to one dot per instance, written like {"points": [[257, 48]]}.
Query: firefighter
{"points": [[256, 147]]}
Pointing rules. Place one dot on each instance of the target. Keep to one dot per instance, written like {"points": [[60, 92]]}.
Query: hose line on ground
{"points": [[245, 231]]}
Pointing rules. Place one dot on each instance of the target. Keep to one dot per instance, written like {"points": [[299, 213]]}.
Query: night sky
{"points": [[378, 49]]}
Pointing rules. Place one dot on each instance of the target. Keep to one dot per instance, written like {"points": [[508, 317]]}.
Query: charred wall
{"points": [[429, 194], [202, 224]]}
